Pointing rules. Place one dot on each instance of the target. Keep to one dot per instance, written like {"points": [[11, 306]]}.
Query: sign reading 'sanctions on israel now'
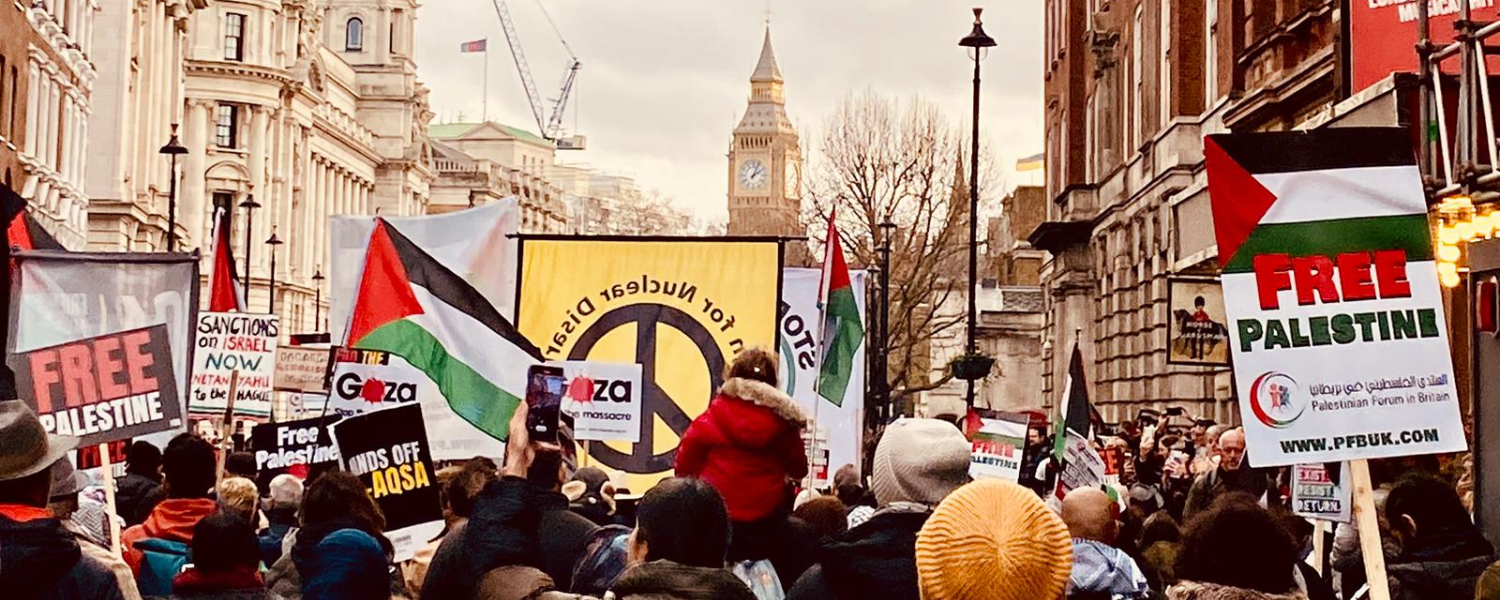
{"points": [[1335, 313]]}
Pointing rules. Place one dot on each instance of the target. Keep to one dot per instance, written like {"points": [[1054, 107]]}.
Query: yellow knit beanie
{"points": [[993, 540]]}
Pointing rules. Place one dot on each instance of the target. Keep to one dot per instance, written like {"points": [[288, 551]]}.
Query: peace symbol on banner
{"points": [[648, 319]]}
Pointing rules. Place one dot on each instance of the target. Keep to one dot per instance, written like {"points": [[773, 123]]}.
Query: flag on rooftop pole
{"points": [[225, 294], [1032, 163], [412, 306], [480, 45], [843, 331]]}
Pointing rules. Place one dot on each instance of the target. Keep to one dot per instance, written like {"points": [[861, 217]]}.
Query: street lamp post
{"points": [[249, 205], [977, 42], [273, 242], [886, 229], [173, 149], [318, 298]]}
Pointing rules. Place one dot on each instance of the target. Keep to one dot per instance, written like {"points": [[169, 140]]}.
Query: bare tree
{"points": [[882, 159]]}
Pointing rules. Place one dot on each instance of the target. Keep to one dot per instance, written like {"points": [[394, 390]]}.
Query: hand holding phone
{"points": [[544, 393]]}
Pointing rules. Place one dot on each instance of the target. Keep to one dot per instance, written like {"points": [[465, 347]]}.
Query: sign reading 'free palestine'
{"points": [[1336, 317]]}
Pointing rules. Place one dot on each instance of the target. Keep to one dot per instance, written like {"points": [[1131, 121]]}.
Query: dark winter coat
{"points": [[40, 559], [281, 521], [563, 535], [666, 580], [875, 561], [337, 561], [134, 495], [1219, 482], [1440, 566], [502, 531], [747, 444]]}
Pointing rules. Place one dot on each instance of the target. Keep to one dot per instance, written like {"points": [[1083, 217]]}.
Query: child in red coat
{"points": [[748, 443]]}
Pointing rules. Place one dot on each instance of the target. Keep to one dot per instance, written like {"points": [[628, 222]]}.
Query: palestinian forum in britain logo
{"points": [[1276, 400]]}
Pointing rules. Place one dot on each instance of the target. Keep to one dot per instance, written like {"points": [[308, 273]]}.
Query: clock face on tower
{"points": [[753, 174]]}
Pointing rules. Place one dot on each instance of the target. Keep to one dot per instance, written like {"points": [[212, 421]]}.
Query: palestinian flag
{"points": [[412, 306], [842, 330], [1329, 280], [225, 294], [1073, 414]]}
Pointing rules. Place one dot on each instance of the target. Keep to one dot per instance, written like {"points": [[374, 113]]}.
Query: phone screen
{"points": [[544, 392]]}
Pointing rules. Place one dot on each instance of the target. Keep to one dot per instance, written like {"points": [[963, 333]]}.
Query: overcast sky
{"points": [[665, 81]]}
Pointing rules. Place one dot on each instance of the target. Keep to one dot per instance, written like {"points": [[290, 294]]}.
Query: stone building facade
{"points": [[1131, 88], [478, 163], [46, 82], [310, 108]]}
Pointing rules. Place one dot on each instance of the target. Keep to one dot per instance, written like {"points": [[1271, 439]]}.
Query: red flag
{"points": [[225, 292]]}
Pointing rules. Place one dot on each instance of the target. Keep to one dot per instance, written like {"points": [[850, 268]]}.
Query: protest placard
{"points": [[387, 450], [229, 342], [286, 446], [1336, 318], [300, 369], [998, 445], [366, 381], [1322, 491], [604, 399], [1082, 467], [104, 388]]}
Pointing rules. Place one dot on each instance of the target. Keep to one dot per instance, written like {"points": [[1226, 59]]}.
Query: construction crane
{"points": [[551, 126]]}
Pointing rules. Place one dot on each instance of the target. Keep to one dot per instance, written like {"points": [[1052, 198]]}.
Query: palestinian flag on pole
{"points": [[842, 330], [1073, 414], [1331, 294], [412, 306], [225, 294]]}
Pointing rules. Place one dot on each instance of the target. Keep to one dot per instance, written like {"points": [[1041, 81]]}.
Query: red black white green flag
{"points": [[1336, 316], [843, 330], [225, 294], [412, 306]]}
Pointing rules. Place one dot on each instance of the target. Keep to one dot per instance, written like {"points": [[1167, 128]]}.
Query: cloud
{"points": [[664, 81]]}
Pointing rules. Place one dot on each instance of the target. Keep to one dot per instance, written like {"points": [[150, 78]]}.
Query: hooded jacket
{"points": [[666, 580], [747, 444], [876, 560], [133, 494], [1441, 566], [337, 561], [42, 560], [171, 520], [1194, 590]]}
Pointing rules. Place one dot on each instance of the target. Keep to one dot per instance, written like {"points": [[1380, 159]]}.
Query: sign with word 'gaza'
{"points": [[604, 399], [104, 388], [1335, 314], [230, 342], [388, 451]]}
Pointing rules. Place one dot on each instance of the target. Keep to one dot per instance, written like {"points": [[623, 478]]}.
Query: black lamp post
{"points": [[249, 205], [887, 228], [273, 242], [173, 149], [977, 42], [318, 298]]}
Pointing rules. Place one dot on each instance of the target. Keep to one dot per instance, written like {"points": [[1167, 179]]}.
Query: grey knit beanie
{"points": [[921, 461]]}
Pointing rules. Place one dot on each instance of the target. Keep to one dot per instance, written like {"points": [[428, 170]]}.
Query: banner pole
{"points": [[107, 480], [1369, 530], [225, 424], [1319, 547]]}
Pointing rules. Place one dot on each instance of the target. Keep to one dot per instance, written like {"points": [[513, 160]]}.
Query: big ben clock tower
{"points": [[765, 163]]}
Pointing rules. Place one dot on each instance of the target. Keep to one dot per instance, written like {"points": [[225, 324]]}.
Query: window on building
{"points": [[15, 98], [1211, 53], [234, 37], [227, 126], [1164, 70], [354, 35], [396, 22], [1137, 39], [5, 100], [1091, 140]]}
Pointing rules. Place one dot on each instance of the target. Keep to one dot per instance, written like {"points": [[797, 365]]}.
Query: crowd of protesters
{"points": [[1190, 519]]}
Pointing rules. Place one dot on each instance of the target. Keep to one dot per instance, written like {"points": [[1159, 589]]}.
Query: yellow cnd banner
{"points": [[682, 308]]}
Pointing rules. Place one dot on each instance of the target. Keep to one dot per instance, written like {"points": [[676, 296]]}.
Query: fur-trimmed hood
{"points": [[1193, 590], [761, 394]]}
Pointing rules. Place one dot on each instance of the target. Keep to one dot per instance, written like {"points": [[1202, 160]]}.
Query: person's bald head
{"points": [[1232, 449], [1090, 515]]}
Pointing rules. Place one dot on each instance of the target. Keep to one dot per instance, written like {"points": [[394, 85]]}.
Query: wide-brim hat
{"points": [[29, 449]]}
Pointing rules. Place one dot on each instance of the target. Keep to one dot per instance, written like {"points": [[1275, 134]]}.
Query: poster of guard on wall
{"points": [[1336, 318], [1196, 330]]}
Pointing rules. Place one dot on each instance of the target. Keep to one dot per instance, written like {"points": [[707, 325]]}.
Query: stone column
{"points": [[192, 198], [256, 163]]}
